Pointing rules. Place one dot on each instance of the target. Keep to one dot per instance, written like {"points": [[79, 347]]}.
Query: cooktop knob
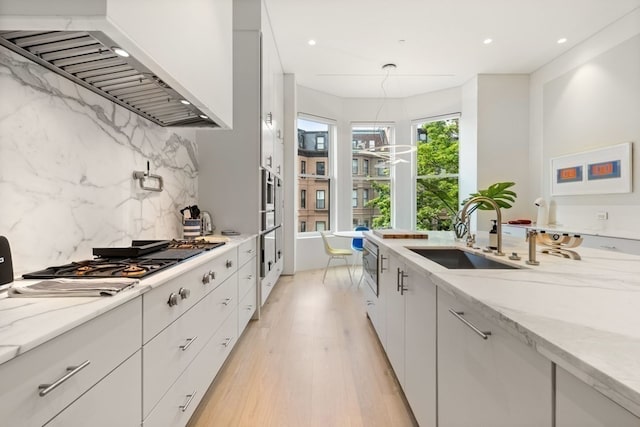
{"points": [[173, 299], [184, 293]]}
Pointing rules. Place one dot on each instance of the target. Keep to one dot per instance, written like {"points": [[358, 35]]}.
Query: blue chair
{"points": [[356, 245]]}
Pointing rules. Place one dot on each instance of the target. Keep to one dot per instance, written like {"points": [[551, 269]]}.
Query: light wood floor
{"points": [[313, 359]]}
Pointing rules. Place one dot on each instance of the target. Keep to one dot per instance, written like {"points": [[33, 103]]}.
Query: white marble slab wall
{"points": [[66, 161]]}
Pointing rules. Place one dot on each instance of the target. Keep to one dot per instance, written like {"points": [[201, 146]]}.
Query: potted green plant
{"points": [[500, 192]]}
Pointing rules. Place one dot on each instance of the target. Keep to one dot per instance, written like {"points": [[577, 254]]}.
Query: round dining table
{"points": [[351, 234]]}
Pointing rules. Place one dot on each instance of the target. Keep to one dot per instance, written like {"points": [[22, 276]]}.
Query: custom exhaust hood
{"points": [[91, 59]]}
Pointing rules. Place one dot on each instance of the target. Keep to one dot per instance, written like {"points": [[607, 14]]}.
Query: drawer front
{"points": [[104, 342], [167, 355], [177, 405], [246, 251], [184, 292], [246, 309], [114, 401], [247, 278]]}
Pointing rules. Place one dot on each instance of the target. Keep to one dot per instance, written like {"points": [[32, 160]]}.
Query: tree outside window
{"points": [[437, 174]]}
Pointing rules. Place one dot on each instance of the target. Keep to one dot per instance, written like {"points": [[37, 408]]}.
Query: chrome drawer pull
{"points": [[189, 342], [382, 259], [190, 397], [459, 315], [226, 342], [229, 263], [249, 307], [249, 277], [47, 388], [226, 301], [250, 251]]}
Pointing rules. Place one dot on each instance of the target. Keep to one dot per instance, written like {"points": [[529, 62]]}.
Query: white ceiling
{"points": [[443, 40]]}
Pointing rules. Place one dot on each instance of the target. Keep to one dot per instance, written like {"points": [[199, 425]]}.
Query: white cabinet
{"points": [[114, 401], [410, 311], [187, 44], [580, 405], [88, 352], [485, 376]]}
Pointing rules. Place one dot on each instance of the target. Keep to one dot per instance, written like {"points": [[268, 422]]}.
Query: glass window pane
{"points": [[314, 144], [354, 167], [437, 174], [320, 199], [374, 209], [354, 199], [321, 226]]}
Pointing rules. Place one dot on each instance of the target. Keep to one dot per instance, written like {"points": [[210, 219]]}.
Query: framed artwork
{"points": [[602, 171]]}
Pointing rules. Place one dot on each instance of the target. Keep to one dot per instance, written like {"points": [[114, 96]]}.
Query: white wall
{"points": [[67, 156], [586, 99]]}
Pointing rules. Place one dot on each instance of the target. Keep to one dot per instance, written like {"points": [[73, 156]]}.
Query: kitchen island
{"points": [[582, 316]]}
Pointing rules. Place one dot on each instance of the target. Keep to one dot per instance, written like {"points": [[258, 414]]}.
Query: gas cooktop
{"points": [[103, 267], [143, 258]]}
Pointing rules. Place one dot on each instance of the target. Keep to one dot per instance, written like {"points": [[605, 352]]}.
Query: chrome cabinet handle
{"points": [[369, 302], [184, 293], [189, 342], [249, 307], [206, 278], [398, 280], [250, 251], [48, 388], [458, 314], [402, 277], [190, 397], [173, 299], [382, 259], [229, 263], [226, 301], [226, 342], [212, 275], [249, 277]]}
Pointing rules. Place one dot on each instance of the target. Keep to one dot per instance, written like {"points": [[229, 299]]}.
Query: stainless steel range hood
{"points": [[88, 58]]}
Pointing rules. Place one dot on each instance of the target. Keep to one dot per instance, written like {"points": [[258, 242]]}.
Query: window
{"points": [[321, 226], [437, 163], [372, 143], [319, 199], [354, 199], [315, 140]]}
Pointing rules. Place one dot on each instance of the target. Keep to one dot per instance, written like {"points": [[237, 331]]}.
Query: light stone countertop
{"points": [[28, 322], [583, 315]]}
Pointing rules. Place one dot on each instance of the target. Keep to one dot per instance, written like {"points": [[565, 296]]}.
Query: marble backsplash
{"points": [[67, 157]]}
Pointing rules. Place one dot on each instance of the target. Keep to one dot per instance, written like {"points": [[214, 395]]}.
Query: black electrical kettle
{"points": [[6, 265]]}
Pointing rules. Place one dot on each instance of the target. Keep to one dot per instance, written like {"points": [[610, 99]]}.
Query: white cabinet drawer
{"points": [[185, 291], [247, 278], [167, 355], [246, 309], [246, 251], [114, 401], [104, 342], [176, 407]]}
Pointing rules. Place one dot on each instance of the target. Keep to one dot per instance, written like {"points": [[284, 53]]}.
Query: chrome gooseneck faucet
{"points": [[480, 199]]}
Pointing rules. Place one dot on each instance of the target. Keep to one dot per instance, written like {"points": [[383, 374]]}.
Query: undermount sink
{"points": [[459, 259]]}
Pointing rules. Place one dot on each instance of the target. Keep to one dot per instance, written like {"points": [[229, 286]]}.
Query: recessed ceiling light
{"points": [[120, 52], [202, 116], [185, 102], [562, 40], [311, 42], [487, 41]]}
